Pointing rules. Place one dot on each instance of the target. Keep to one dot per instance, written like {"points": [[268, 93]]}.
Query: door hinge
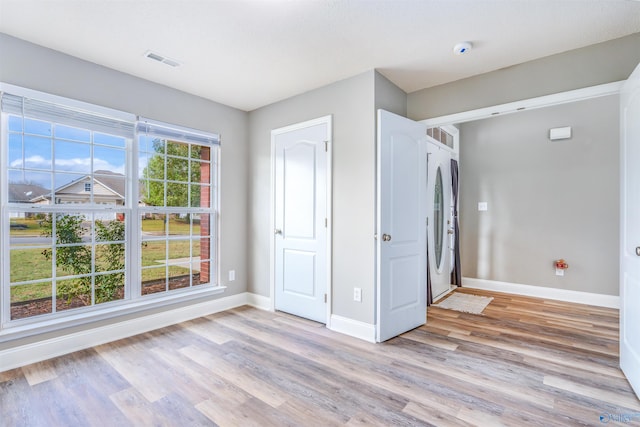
{"points": [[326, 146], [325, 298], [326, 223]]}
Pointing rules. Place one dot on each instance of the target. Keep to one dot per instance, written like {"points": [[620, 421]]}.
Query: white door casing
{"points": [[630, 230], [401, 225], [439, 260], [301, 200]]}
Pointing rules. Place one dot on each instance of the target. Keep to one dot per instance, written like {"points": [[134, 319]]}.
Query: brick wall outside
{"points": [[205, 220]]}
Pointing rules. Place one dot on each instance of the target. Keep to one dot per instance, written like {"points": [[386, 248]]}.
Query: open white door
{"points": [[401, 225], [301, 218], [630, 231]]}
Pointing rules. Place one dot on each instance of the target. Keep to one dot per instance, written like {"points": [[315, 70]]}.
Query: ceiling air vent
{"points": [[160, 58]]}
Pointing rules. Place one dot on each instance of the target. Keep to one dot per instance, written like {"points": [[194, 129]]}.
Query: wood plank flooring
{"points": [[524, 362]]}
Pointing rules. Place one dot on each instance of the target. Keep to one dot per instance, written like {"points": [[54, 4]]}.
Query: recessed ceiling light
{"points": [[161, 58], [462, 48]]}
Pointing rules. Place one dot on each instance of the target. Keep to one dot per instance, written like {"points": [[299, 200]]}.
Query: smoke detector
{"points": [[161, 58], [462, 48]]}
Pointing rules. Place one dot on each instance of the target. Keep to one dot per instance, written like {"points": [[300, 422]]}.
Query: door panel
{"points": [[300, 198], [630, 231], [299, 167], [401, 225], [439, 208]]}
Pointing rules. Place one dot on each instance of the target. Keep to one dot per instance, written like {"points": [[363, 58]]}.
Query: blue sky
{"points": [[61, 152]]}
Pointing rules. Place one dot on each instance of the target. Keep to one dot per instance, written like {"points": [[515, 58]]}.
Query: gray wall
{"points": [[31, 66], [352, 103], [389, 97], [547, 200], [606, 62]]}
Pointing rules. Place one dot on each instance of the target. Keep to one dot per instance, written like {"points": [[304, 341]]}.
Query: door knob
{"points": [[386, 237], [277, 231], [638, 250]]}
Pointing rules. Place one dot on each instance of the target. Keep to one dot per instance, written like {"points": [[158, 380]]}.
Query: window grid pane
{"points": [[63, 261], [174, 220]]}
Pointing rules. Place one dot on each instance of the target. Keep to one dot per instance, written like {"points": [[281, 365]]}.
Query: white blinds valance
{"points": [[178, 133], [67, 115]]}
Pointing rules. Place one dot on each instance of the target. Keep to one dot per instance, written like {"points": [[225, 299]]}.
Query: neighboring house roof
{"points": [[113, 182], [26, 193]]}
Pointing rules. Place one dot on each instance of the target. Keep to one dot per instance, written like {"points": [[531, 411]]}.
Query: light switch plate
{"points": [[232, 275], [482, 206]]}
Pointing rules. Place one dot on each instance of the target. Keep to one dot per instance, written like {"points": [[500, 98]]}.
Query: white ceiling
{"points": [[248, 54]]}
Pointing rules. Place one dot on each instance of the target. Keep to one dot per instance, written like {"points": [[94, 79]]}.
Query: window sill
{"points": [[30, 327]]}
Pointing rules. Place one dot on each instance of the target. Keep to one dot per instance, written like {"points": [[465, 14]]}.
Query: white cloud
{"points": [[35, 162], [78, 165]]}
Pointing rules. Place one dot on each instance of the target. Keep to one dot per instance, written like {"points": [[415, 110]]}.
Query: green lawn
{"points": [[30, 264], [30, 292], [176, 226], [25, 227]]}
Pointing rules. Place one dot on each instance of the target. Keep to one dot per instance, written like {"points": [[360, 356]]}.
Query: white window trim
{"points": [[15, 329]]}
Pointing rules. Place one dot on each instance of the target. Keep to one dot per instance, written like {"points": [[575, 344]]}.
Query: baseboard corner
{"points": [[353, 328]]}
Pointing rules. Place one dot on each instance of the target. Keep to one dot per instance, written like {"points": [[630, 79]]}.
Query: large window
{"points": [[176, 212], [98, 212]]}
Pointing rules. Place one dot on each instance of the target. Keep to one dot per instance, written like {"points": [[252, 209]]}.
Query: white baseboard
{"points": [[42, 350], [258, 301], [600, 300], [353, 328]]}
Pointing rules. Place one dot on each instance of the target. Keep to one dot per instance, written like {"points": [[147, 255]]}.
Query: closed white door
{"points": [[630, 231], [440, 226], [300, 219], [401, 225]]}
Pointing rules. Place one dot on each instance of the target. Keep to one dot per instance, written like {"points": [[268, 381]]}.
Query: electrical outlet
{"points": [[559, 272], [357, 294], [232, 275]]}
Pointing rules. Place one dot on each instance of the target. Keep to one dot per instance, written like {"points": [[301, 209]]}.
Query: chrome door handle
{"points": [[386, 237], [638, 250], [277, 231]]}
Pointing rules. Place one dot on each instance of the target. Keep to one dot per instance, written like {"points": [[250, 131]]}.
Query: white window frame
{"points": [[133, 302], [180, 134]]}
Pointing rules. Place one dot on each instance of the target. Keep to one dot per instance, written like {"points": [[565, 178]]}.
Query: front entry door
{"points": [[440, 226], [300, 219], [630, 231], [402, 225]]}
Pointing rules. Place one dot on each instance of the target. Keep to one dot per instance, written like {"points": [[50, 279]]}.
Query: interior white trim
{"points": [[258, 301], [600, 300], [353, 328], [42, 350], [527, 104]]}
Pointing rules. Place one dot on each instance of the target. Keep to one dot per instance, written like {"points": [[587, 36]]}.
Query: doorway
{"points": [[301, 195], [440, 210]]}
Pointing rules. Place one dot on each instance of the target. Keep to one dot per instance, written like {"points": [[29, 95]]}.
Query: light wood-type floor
{"points": [[526, 361]]}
